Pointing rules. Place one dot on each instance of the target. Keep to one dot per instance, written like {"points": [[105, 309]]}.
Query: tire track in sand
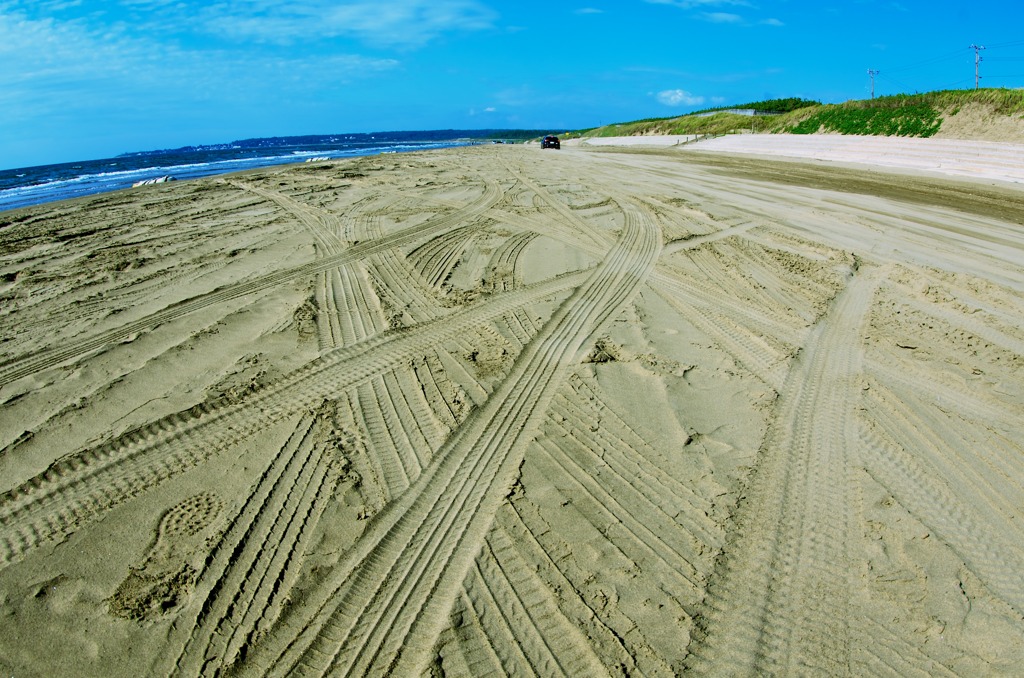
{"points": [[781, 607], [927, 494], [501, 270], [435, 260], [389, 599], [251, 571], [749, 323], [42, 360], [507, 607], [519, 617], [77, 489], [400, 429], [323, 225]]}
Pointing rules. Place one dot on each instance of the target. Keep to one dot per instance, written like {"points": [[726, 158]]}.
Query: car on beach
{"points": [[551, 141]]}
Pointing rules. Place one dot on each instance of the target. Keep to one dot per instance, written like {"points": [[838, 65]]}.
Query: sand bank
{"points": [[504, 410], [655, 140], [986, 160]]}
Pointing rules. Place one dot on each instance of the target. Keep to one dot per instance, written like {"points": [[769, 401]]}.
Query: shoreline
{"points": [[65, 181]]}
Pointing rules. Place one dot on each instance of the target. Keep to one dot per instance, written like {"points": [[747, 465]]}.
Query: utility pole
{"points": [[873, 73], [977, 62]]}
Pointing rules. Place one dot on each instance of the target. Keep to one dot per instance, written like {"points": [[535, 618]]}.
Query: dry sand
{"points": [[984, 160], [499, 410]]}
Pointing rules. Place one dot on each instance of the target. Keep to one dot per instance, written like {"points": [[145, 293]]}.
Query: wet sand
{"points": [[502, 410]]}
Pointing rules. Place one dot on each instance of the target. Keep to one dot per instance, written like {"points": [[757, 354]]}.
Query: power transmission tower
{"points": [[873, 73], [977, 62]]}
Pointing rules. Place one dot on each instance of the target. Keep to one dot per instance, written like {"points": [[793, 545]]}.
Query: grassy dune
{"points": [[917, 115]]}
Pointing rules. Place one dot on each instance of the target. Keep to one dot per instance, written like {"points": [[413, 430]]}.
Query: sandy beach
{"points": [[610, 410]]}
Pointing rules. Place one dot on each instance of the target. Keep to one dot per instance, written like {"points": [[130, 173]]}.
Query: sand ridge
{"points": [[504, 410]]}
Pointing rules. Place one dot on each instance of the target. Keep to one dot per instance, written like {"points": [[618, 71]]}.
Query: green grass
{"points": [[911, 115], [914, 120], [1002, 101], [721, 123]]}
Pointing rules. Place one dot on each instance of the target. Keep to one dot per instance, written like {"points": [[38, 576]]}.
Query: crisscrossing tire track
{"points": [[391, 597], [17, 369], [76, 490], [755, 461]]}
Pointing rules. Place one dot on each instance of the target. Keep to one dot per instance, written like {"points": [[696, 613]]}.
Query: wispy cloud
{"points": [[396, 23], [58, 5], [700, 4], [678, 97], [721, 17], [589, 10], [704, 10], [149, 4], [53, 68]]}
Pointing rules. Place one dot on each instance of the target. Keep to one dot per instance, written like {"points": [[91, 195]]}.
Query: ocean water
{"points": [[46, 183]]}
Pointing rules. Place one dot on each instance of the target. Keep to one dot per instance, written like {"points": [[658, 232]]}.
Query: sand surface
{"points": [[639, 140], [499, 410], [990, 161], [984, 160]]}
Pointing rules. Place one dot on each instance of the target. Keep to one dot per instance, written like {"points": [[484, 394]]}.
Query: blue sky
{"points": [[83, 79]]}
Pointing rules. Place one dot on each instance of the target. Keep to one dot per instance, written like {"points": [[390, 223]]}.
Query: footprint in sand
{"points": [[166, 575]]}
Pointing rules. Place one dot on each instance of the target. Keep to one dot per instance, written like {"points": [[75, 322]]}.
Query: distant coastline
{"points": [[370, 138]]}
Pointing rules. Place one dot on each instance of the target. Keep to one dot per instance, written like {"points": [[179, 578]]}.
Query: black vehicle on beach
{"points": [[551, 141]]}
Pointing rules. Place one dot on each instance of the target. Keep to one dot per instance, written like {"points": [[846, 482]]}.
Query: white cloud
{"points": [[721, 17], [589, 10], [51, 68], [396, 23], [59, 5], [490, 109], [697, 4], [704, 10], [678, 97], [148, 4]]}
